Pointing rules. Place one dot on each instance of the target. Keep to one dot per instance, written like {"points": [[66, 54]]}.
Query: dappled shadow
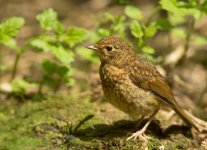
{"points": [[124, 128], [176, 129]]}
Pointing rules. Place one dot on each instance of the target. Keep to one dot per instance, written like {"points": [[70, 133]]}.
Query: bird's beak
{"points": [[92, 47]]}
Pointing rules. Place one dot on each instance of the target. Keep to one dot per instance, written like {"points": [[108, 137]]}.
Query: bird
{"points": [[134, 85]]}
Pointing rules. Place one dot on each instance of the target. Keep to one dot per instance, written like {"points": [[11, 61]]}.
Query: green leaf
{"points": [[203, 7], [42, 42], [48, 21], [136, 29], [9, 29], [74, 36], [150, 58], [19, 86], [180, 8], [49, 79], [70, 81], [62, 70], [46, 43], [2, 67], [87, 54], [63, 55], [175, 19], [179, 32], [48, 66], [9, 42], [200, 40], [150, 30], [51, 68], [11, 26], [163, 24], [103, 32], [141, 43], [108, 16], [119, 25], [133, 12], [148, 50]]}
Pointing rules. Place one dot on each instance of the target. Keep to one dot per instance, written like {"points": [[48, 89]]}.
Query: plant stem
{"points": [[57, 85], [170, 41], [15, 65], [40, 87], [154, 12], [187, 41], [88, 117]]}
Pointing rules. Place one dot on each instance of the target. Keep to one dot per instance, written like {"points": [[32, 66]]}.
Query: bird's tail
{"points": [[200, 124], [190, 119]]}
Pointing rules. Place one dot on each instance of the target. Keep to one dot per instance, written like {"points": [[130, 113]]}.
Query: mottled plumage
{"points": [[132, 84], [121, 92]]}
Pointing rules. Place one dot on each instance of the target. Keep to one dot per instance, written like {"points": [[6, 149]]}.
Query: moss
{"points": [[20, 125], [45, 122]]}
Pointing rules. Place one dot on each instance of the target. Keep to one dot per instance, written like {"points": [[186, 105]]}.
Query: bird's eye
{"points": [[109, 48]]}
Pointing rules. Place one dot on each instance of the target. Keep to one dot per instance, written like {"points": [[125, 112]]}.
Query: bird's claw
{"points": [[139, 134]]}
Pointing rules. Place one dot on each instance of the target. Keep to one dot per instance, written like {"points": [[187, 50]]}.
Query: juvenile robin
{"points": [[133, 85]]}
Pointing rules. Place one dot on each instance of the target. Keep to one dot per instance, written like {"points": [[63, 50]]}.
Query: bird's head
{"points": [[111, 49]]}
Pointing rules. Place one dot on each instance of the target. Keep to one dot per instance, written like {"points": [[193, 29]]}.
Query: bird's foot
{"points": [[139, 134]]}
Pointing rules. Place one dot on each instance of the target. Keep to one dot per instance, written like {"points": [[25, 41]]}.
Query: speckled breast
{"points": [[125, 95]]}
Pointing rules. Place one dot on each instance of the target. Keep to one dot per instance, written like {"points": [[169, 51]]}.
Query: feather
{"points": [[146, 76]]}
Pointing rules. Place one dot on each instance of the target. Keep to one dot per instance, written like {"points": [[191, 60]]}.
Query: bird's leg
{"points": [[139, 121], [140, 133]]}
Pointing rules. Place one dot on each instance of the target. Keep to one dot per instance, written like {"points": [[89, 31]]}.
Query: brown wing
{"points": [[144, 75], [147, 77]]}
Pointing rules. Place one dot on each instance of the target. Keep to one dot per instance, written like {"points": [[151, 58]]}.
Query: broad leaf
{"points": [[9, 42], [9, 29], [136, 29], [42, 42], [148, 50], [118, 26], [20, 86], [150, 30], [180, 8], [179, 32], [74, 36], [11, 26], [87, 54], [108, 16], [200, 40], [163, 24], [48, 21], [51, 68], [63, 55], [103, 32], [133, 12]]}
